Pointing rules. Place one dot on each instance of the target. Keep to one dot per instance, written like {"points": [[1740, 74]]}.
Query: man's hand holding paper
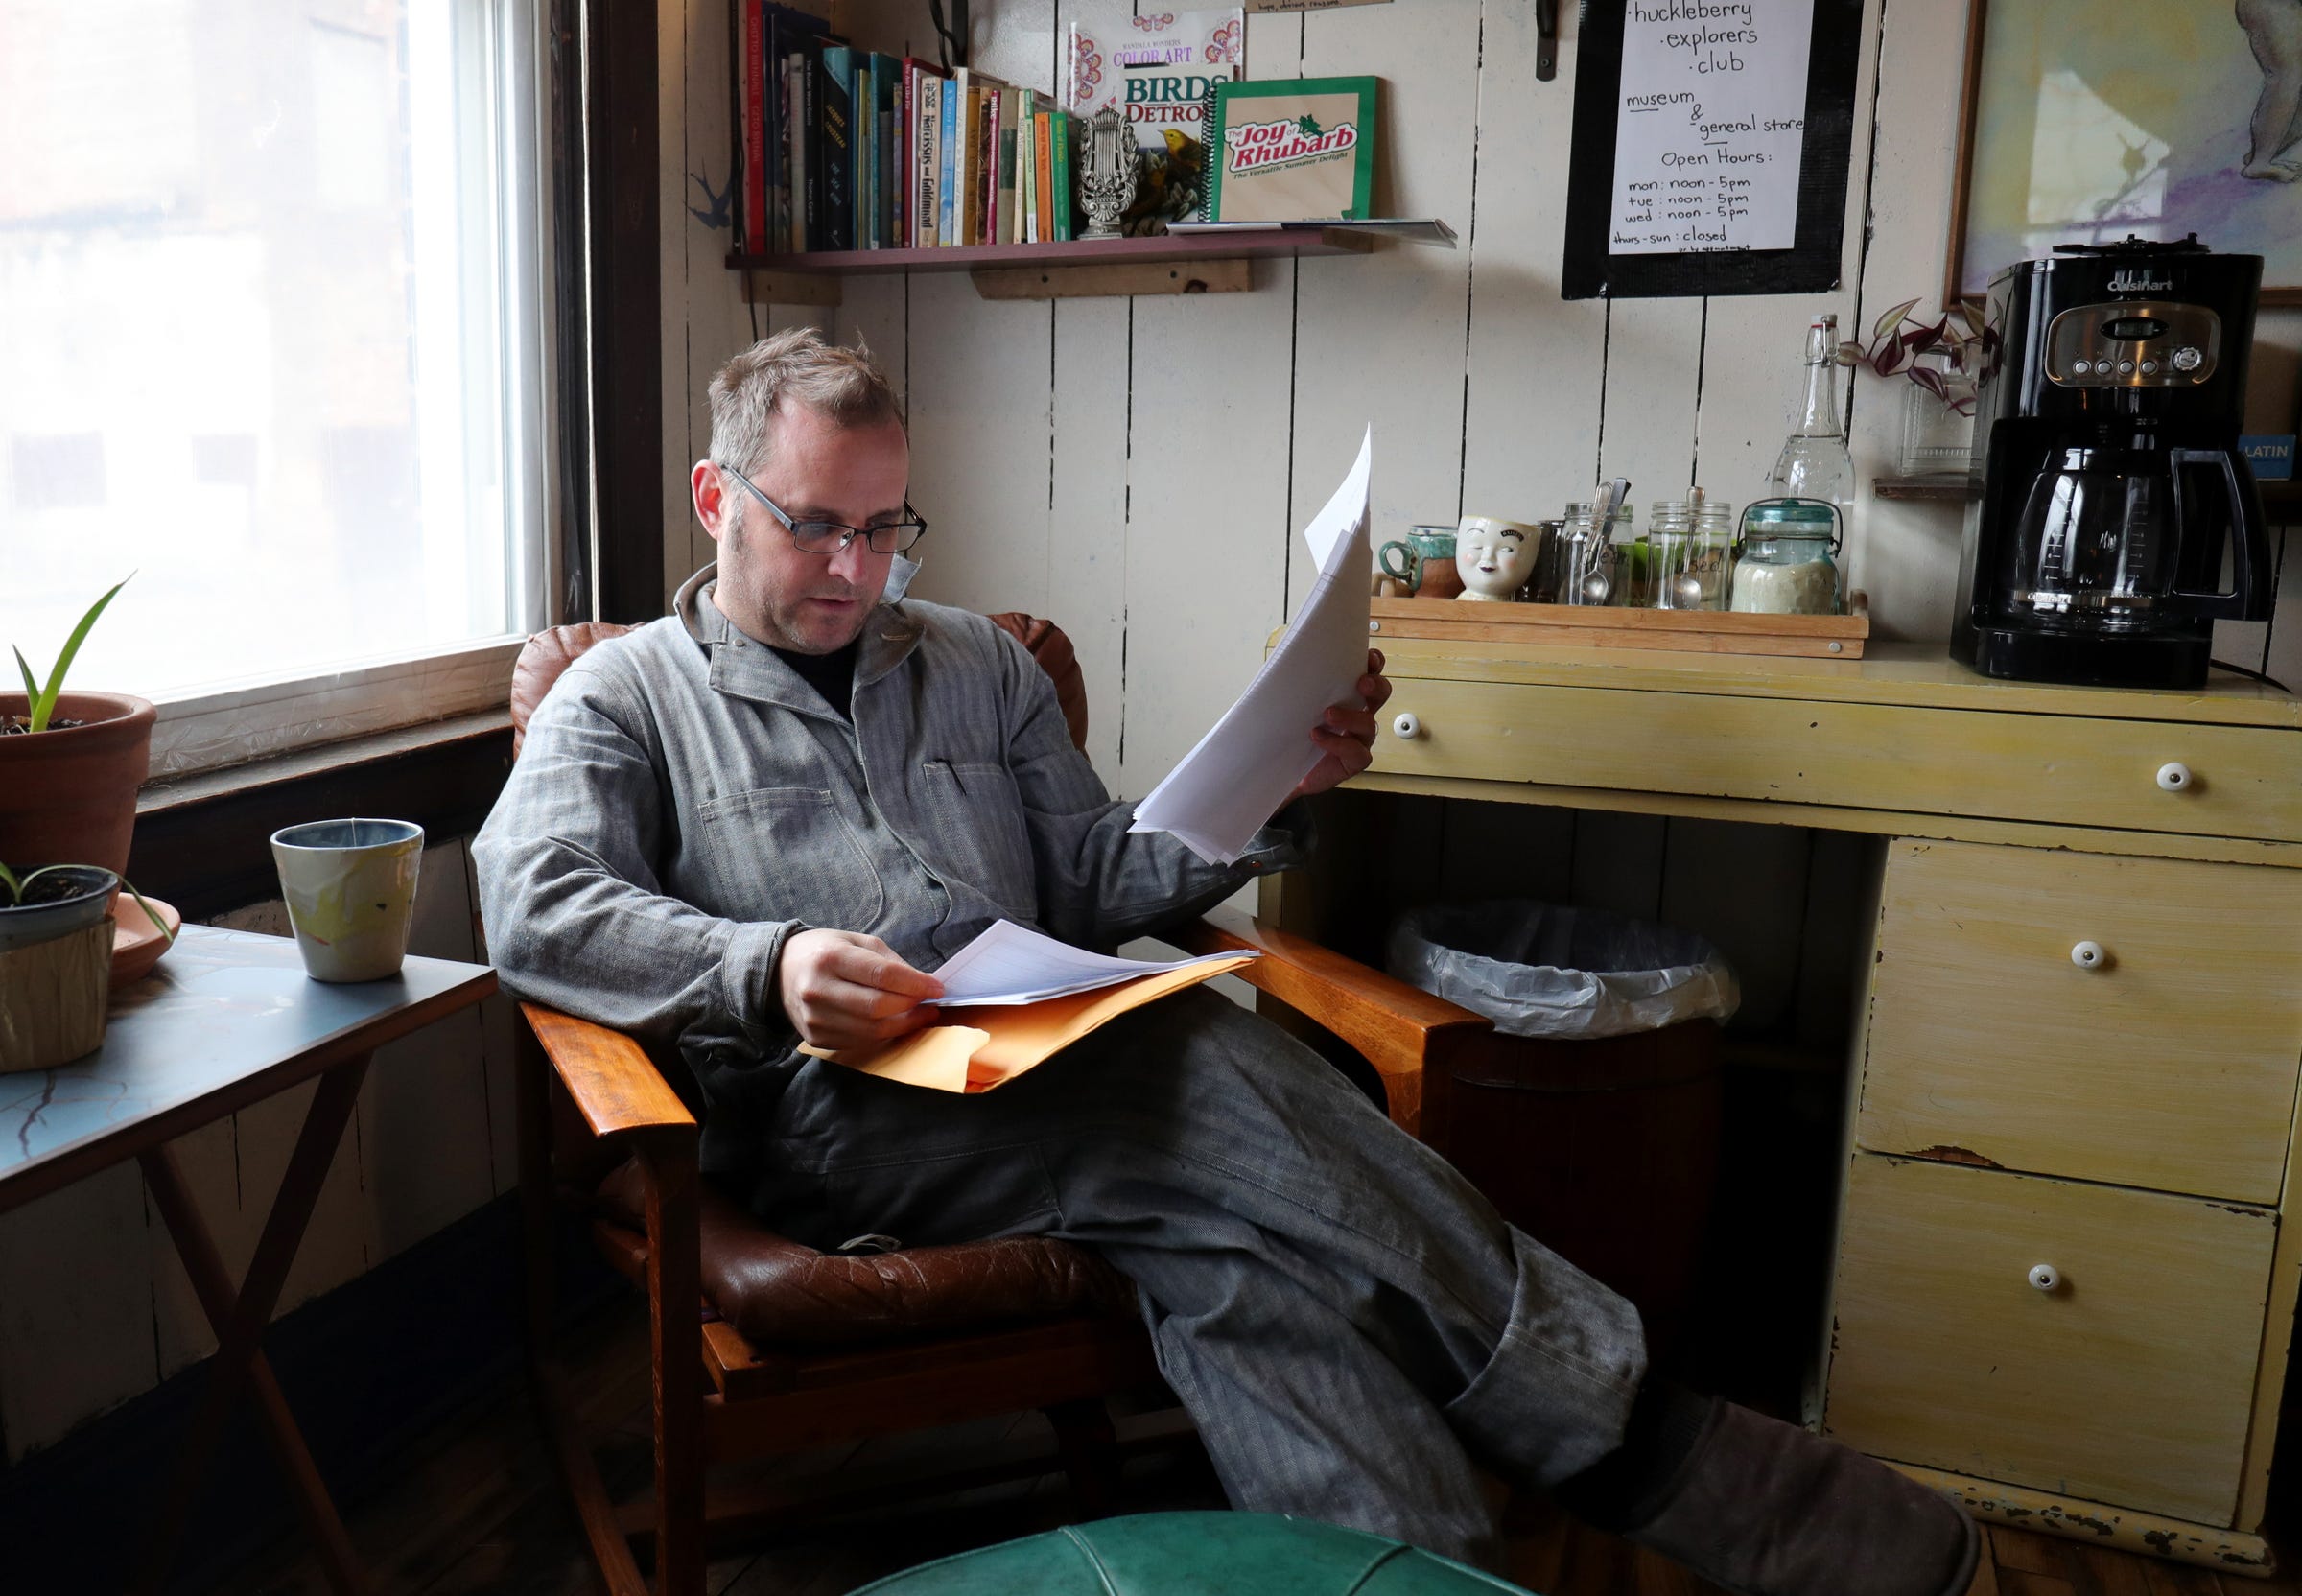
{"points": [[1320, 680], [1345, 737]]}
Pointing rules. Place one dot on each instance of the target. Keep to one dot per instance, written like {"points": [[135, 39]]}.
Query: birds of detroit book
{"points": [[1158, 70]]}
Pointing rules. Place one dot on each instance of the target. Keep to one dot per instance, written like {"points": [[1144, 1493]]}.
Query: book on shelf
{"points": [[927, 161], [922, 117], [793, 39], [766, 38], [886, 169], [1004, 189], [834, 72], [949, 153], [968, 205], [1042, 150], [864, 109], [1059, 137], [1158, 72], [1289, 150], [751, 59], [987, 230]]}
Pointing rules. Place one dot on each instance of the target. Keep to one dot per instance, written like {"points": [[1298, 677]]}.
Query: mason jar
{"points": [[1788, 564], [1581, 559]]}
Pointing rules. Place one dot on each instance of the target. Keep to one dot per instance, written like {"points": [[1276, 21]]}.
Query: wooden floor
{"points": [[478, 1510]]}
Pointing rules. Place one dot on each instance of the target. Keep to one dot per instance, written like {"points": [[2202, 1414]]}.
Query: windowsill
{"points": [[164, 794], [236, 725], [202, 840]]}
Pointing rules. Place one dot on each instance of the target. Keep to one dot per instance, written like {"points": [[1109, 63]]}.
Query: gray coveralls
{"points": [[1353, 1329]]}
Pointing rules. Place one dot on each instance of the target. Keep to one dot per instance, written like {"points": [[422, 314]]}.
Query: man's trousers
{"points": [[1355, 1330]]}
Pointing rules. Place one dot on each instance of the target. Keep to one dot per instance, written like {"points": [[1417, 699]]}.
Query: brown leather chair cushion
{"points": [[1046, 642], [782, 1295], [548, 653]]}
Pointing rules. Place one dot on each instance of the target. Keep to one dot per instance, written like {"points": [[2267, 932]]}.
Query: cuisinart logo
{"points": [[2139, 282]]}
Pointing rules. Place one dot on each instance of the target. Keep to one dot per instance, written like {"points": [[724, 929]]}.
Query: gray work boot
{"points": [[1765, 1509]]}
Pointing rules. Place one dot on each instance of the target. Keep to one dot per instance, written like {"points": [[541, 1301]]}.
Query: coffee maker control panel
{"points": [[2139, 343]]}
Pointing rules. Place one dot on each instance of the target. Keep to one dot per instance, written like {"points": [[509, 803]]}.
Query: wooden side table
{"points": [[227, 1018]]}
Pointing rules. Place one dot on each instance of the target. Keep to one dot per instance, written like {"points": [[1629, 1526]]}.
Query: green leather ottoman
{"points": [[1195, 1554]]}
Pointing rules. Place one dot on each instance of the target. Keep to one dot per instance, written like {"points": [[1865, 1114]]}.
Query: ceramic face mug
{"points": [[350, 886], [1495, 558]]}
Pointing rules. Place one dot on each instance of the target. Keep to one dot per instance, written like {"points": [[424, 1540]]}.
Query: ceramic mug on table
{"points": [[350, 886], [1495, 558], [1426, 562]]}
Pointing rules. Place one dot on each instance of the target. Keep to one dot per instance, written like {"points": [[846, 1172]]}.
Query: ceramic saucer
{"points": [[136, 941]]}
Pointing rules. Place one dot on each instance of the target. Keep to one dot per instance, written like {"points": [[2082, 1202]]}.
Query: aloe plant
{"points": [[43, 698], [17, 884]]}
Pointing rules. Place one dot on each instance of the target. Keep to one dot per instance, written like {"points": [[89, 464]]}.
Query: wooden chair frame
{"points": [[716, 1397]]}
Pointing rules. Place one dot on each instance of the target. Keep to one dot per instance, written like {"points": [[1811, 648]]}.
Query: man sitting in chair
{"points": [[767, 817]]}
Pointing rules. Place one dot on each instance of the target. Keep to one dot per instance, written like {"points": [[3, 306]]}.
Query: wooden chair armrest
{"points": [[1399, 1029], [616, 1086]]}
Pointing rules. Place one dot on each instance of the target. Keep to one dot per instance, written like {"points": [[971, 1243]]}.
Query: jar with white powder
{"points": [[1787, 565]]}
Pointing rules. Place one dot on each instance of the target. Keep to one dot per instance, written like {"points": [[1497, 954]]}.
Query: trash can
{"points": [[1590, 1117]]}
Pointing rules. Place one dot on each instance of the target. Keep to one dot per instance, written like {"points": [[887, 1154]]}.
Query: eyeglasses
{"points": [[829, 537]]}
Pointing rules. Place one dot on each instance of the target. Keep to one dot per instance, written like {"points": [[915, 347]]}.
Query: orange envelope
{"points": [[978, 1048]]}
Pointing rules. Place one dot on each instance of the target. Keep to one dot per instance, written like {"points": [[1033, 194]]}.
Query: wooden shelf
{"points": [[1116, 265]]}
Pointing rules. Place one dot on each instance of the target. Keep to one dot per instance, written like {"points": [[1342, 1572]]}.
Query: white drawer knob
{"points": [[2045, 1277], [2087, 956], [2174, 776], [1407, 725]]}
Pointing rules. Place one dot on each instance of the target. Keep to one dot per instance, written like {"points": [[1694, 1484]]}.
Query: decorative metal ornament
{"points": [[1107, 172]]}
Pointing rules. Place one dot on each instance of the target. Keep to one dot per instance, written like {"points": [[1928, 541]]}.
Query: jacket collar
{"points": [[745, 668]]}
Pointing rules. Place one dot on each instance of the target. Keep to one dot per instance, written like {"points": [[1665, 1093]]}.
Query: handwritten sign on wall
{"points": [[1712, 124], [1711, 146]]}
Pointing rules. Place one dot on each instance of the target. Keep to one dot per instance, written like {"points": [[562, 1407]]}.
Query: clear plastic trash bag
{"points": [[1541, 970]]}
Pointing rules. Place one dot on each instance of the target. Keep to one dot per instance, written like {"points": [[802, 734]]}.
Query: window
{"points": [[272, 338]]}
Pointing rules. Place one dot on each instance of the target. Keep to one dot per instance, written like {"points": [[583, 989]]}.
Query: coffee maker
{"points": [[2113, 495]]}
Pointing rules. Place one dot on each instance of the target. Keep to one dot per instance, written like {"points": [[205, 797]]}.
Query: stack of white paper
{"points": [[1011, 964], [1224, 790]]}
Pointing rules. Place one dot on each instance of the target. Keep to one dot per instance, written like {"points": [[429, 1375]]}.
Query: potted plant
{"points": [[71, 762], [56, 961], [1943, 360]]}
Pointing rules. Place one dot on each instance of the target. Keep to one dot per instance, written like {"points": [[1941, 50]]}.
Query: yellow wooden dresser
{"points": [[2062, 1289]]}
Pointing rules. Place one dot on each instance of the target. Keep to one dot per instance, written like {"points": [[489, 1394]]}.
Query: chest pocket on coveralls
{"points": [[787, 853], [977, 817]]}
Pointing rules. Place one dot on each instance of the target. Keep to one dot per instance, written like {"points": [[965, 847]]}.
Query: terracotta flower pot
{"points": [[69, 797]]}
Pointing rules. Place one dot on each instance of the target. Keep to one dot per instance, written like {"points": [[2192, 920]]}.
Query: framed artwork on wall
{"points": [[2086, 120]]}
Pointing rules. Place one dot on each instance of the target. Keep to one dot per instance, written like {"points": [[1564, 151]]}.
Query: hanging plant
{"points": [[1897, 342]]}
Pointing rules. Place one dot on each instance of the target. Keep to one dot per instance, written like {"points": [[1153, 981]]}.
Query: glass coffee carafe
{"points": [[2122, 540]]}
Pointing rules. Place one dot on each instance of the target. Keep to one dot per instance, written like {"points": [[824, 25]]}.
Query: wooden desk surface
{"points": [[1908, 673], [227, 1017]]}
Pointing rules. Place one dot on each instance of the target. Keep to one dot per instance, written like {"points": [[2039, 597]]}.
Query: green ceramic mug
{"points": [[1426, 564]]}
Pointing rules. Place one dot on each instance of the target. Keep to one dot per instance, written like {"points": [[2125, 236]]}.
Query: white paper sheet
{"points": [[1711, 131], [1223, 791], [1012, 964]]}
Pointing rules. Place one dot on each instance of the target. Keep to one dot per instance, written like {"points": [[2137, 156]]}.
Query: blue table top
{"points": [[224, 1019]]}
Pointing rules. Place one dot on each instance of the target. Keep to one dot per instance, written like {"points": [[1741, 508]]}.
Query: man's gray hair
{"points": [[796, 367]]}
